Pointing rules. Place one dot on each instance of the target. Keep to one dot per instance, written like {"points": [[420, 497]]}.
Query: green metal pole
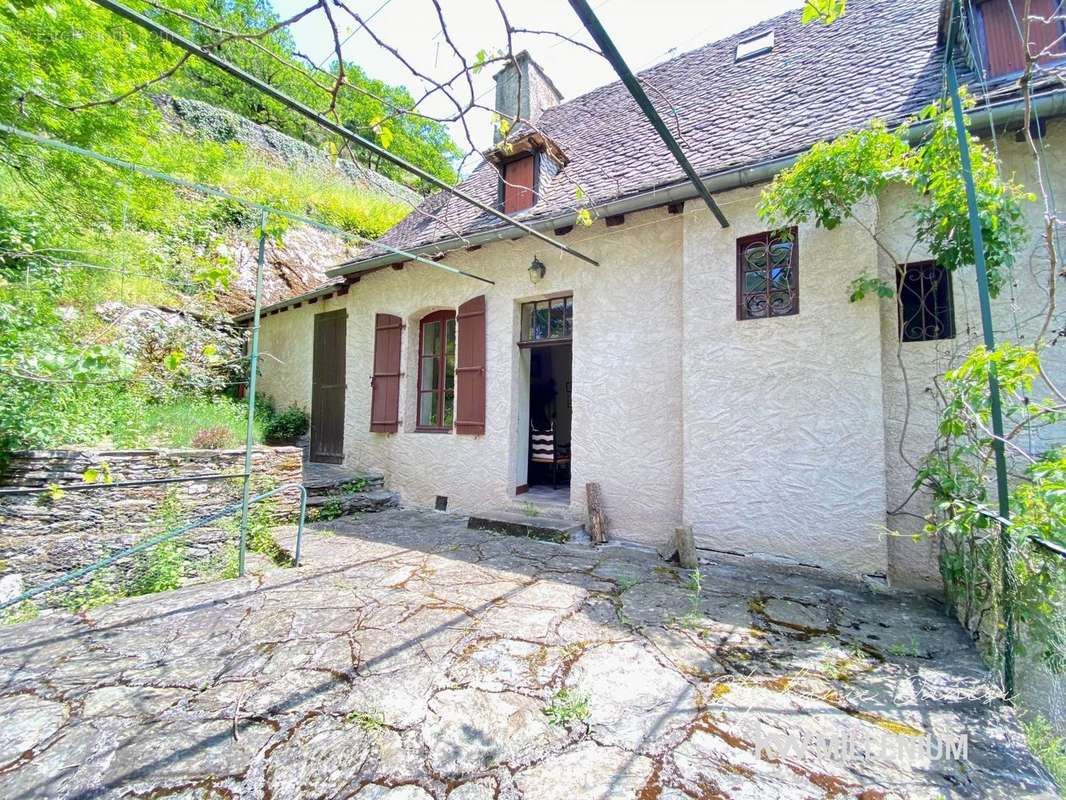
{"points": [[993, 381], [253, 369]]}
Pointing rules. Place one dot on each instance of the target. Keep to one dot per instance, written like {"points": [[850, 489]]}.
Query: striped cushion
{"points": [[542, 448]]}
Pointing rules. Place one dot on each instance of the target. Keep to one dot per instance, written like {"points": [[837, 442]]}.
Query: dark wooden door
{"points": [[327, 388]]}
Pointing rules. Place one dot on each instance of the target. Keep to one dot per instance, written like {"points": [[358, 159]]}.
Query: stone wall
{"points": [[43, 536]]}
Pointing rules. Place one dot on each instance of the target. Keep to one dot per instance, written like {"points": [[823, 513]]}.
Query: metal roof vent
{"points": [[755, 46]]}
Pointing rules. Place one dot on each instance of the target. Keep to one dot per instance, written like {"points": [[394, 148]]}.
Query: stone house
{"points": [[703, 375]]}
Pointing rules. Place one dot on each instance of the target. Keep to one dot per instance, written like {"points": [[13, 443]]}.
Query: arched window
{"points": [[436, 371]]}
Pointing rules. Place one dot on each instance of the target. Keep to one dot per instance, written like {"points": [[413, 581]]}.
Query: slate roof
{"points": [[881, 60]]}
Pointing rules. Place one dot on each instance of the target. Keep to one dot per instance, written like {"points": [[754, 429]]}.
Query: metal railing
{"points": [[167, 536]]}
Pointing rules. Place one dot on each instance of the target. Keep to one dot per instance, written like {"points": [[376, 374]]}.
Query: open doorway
{"points": [[550, 414]]}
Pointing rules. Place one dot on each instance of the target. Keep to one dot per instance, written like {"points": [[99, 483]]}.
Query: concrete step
{"points": [[544, 528], [355, 502]]}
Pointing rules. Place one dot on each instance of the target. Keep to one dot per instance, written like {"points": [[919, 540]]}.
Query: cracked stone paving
{"points": [[411, 658]]}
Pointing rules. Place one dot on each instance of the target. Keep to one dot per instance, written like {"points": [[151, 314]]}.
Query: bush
{"points": [[287, 425], [214, 438]]}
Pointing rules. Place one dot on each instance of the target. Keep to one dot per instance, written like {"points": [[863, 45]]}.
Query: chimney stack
{"points": [[529, 100]]}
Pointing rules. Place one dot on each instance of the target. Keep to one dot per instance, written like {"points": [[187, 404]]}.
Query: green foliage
{"points": [[566, 707], [102, 590], [261, 539], [23, 612], [867, 284], [1049, 747], [160, 568], [287, 425], [960, 474], [824, 11], [832, 179], [331, 509]]}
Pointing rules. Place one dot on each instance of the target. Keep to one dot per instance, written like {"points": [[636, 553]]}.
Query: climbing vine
{"points": [[826, 187]]}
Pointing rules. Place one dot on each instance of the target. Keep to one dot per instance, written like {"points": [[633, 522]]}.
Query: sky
{"points": [[645, 32]]}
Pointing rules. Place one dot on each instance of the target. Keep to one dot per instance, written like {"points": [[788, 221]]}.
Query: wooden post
{"points": [[686, 547], [597, 517]]}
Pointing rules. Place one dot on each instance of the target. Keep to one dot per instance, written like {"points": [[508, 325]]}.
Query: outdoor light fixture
{"points": [[536, 270]]}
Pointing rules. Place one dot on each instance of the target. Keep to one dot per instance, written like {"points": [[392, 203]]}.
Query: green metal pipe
{"points": [[610, 52], [253, 371], [324, 122], [995, 402]]}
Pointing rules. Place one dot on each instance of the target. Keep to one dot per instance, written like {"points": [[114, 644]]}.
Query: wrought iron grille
{"points": [[768, 275], [925, 308]]}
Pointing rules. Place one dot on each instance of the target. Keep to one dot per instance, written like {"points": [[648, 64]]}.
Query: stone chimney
{"points": [[535, 95]]}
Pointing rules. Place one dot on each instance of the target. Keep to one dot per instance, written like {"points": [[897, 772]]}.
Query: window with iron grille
{"points": [[768, 275], [925, 303], [548, 320]]}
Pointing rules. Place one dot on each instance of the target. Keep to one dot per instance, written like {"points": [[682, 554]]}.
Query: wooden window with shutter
{"points": [[470, 368], [1001, 25], [519, 184], [385, 382], [436, 371], [768, 275]]}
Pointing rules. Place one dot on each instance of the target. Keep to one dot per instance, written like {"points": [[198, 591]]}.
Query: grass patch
{"points": [[566, 707], [1049, 748], [176, 424]]}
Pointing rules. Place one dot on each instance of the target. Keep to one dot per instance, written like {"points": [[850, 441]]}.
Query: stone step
{"points": [[356, 502], [329, 479], [510, 523]]}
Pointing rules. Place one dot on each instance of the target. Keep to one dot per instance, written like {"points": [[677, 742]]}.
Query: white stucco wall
{"points": [[779, 437], [783, 441], [911, 412], [286, 341], [626, 372]]}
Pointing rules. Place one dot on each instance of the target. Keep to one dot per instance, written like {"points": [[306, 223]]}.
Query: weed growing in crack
{"points": [[625, 583], [530, 510], [371, 722], [566, 707], [910, 650], [331, 509], [353, 486]]}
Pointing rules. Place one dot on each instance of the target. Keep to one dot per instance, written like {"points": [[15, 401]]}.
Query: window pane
{"points": [[449, 409], [781, 277], [540, 323], [431, 338], [449, 372], [754, 256], [430, 376], [569, 316], [428, 409], [781, 253], [528, 313], [449, 335], [754, 282], [557, 326], [780, 303], [756, 305]]}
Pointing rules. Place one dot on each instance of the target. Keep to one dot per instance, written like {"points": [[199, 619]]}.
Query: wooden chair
{"points": [[545, 449]]}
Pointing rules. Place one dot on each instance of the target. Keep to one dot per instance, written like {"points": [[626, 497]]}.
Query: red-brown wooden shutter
{"points": [[518, 185], [1005, 52], [470, 368], [385, 383]]}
